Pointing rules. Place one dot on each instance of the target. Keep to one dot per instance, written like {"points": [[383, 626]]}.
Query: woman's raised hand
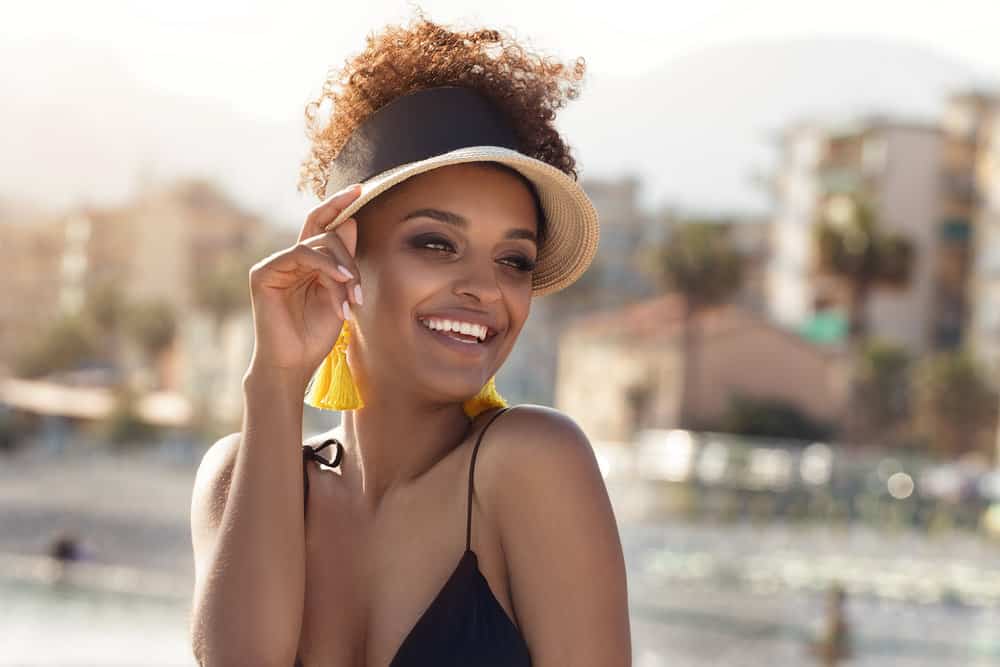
{"points": [[300, 294]]}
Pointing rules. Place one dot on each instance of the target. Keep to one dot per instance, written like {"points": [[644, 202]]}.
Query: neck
{"points": [[391, 443]]}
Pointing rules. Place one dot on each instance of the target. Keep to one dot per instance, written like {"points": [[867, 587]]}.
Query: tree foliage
{"points": [[774, 418], [223, 286], [700, 261], [851, 244], [956, 409], [152, 324], [68, 342], [882, 373]]}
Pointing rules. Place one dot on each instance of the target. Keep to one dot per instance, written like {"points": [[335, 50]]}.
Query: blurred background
{"points": [[786, 352]]}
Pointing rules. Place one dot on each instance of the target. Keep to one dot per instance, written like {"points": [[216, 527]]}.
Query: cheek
{"points": [[517, 305], [412, 281], [403, 285]]}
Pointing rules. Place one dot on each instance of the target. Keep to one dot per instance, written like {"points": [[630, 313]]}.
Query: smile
{"points": [[467, 331], [465, 344]]}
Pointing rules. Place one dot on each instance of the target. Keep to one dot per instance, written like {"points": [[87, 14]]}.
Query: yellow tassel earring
{"points": [[488, 397], [331, 386]]}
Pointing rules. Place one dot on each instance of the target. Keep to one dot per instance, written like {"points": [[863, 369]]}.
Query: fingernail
{"points": [[345, 271], [347, 311], [357, 294]]}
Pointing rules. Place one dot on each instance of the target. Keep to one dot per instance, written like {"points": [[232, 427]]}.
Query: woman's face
{"points": [[453, 243]]}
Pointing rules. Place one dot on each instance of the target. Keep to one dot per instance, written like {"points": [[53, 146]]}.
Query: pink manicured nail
{"points": [[345, 271], [347, 311], [357, 294]]}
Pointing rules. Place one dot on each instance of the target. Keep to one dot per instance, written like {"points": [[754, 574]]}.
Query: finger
{"points": [[346, 232], [350, 282], [326, 212], [332, 243], [334, 290], [344, 275], [302, 259]]}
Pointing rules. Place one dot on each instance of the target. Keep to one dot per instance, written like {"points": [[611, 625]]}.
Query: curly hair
{"points": [[528, 87]]}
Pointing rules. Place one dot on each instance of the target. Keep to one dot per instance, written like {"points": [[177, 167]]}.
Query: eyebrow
{"points": [[460, 222]]}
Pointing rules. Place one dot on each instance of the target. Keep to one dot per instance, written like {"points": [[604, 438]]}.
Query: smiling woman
{"points": [[448, 202]]}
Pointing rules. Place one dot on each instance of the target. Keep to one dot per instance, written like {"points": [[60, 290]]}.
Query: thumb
{"points": [[348, 233]]}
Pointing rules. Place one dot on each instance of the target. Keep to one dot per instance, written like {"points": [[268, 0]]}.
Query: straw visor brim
{"points": [[573, 227]]}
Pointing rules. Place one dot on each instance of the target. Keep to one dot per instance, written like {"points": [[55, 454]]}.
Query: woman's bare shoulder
{"points": [[529, 439], [214, 474]]}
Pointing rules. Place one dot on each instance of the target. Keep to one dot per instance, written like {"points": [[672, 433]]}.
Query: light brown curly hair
{"points": [[528, 87]]}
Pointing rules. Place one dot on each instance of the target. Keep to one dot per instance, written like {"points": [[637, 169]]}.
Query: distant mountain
{"points": [[694, 129], [79, 128], [76, 126]]}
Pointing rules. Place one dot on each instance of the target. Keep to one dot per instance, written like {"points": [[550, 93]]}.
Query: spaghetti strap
{"points": [[310, 453], [472, 467], [465, 623]]}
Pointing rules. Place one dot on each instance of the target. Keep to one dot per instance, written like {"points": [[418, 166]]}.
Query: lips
{"points": [[465, 315], [469, 350]]}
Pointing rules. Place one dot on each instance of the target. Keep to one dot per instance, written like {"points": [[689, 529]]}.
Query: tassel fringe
{"points": [[332, 387]]}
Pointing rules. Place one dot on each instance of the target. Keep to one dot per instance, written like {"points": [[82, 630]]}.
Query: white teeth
{"points": [[477, 330]]}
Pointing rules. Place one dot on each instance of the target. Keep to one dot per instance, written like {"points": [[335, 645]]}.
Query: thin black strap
{"points": [[310, 453], [472, 467]]}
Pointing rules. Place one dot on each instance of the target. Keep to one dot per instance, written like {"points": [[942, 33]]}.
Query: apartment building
{"points": [[896, 165], [981, 124]]}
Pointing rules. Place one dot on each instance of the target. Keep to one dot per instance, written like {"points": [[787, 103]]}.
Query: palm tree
{"points": [[882, 372], [699, 262], [152, 325], [851, 246], [107, 306], [222, 287]]}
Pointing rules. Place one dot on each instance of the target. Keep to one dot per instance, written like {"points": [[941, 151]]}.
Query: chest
{"points": [[370, 581]]}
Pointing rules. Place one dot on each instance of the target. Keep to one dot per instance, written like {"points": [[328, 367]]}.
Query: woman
{"points": [[420, 281]]}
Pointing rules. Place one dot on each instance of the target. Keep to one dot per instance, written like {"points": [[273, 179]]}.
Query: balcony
{"points": [[955, 230]]}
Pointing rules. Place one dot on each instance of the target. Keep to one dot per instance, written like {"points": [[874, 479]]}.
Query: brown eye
{"points": [[522, 263], [428, 241]]}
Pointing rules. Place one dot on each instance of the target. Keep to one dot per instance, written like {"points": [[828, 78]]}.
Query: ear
{"points": [[347, 231]]}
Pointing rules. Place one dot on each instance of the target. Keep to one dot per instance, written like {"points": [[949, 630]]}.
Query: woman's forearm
{"points": [[249, 597]]}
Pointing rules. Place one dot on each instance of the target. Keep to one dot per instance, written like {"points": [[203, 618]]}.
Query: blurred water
{"points": [[685, 613], [700, 594], [70, 626]]}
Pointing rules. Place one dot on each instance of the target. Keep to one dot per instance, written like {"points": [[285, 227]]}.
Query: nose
{"points": [[479, 279]]}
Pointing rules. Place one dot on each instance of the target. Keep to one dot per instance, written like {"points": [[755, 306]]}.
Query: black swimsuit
{"points": [[464, 624]]}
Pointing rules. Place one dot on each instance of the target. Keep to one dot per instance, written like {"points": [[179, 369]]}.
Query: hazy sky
{"points": [[266, 58]]}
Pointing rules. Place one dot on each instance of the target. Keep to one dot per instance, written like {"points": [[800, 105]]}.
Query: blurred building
{"points": [[964, 124], [30, 245], [897, 165], [179, 229], [623, 370], [182, 232], [157, 247], [616, 275], [978, 121]]}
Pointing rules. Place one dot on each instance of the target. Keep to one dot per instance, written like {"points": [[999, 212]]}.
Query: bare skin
{"points": [[386, 529]]}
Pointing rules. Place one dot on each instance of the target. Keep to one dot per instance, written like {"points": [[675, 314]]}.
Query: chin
{"points": [[456, 387]]}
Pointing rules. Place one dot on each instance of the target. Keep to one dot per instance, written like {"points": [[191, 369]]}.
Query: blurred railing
{"points": [[722, 476]]}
